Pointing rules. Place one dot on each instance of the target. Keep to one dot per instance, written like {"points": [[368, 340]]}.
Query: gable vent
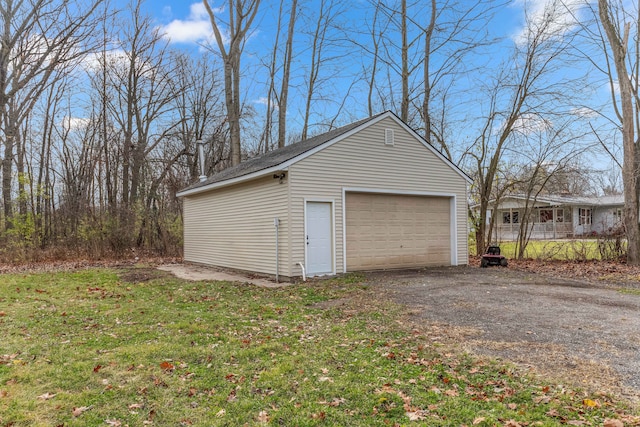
{"points": [[388, 137]]}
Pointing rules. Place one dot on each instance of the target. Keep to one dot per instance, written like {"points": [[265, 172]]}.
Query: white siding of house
{"points": [[365, 162], [234, 227], [605, 218]]}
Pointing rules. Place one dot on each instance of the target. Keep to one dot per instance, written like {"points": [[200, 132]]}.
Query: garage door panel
{"points": [[396, 231]]}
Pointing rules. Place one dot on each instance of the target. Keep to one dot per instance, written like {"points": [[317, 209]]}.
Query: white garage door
{"points": [[397, 231]]}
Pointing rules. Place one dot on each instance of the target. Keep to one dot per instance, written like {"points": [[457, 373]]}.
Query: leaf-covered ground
{"points": [[134, 346], [607, 272]]}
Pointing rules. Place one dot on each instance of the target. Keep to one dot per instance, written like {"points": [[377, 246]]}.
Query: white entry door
{"points": [[318, 239]]}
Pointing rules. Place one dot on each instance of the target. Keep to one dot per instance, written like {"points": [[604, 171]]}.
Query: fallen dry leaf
{"points": [[167, 366], [612, 423], [113, 423], [80, 410], [591, 403], [263, 417], [221, 413], [417, 415], [319, 415], [478, 421], [136, 406], [451, 392], [47, 396]]}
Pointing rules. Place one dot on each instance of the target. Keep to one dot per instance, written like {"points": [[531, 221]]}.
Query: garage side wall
{"points": [[364, 161], [233, 227]]}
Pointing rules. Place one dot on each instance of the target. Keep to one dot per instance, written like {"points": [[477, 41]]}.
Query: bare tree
{"points": [[545, 156], [286, 75], [524, 95], [38, 38], [326, 14], [241, 16], [617, 27]]}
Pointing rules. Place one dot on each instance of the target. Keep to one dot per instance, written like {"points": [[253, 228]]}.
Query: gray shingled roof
{"points": [[556, 199], [277, 157]]}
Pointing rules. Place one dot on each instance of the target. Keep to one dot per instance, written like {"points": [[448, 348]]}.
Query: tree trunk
{"points": [[404, 105], [286, 71], [428, 35], [241, 15], [618, 45]]}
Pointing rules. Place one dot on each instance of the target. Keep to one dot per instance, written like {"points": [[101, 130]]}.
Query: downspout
{"points": [[276, 222], [304, 276]]}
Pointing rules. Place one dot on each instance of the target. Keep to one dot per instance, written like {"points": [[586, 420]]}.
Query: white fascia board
{"points": [[225, 183]]}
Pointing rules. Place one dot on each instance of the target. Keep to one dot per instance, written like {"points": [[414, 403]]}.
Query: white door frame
{"points": [[453, 232], [333, 232]]}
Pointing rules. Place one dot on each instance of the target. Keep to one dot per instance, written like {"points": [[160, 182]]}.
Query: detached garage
{"points": [[370, 195]]}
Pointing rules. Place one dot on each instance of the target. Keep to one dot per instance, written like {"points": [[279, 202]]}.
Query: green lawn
{"points": [[138, 347], [566, 250], [583, 249]]}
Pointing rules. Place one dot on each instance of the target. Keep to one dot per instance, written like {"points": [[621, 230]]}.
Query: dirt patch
{"points": [[140, 274], [200, 272], [581, 332]]}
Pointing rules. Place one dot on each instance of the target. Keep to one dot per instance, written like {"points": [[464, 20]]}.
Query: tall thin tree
{"points": [[241, 15]]}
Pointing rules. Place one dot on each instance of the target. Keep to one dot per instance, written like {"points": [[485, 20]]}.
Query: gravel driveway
{"points": [[585, 333]]}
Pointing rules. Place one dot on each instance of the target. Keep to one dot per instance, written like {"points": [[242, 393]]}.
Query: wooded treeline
{"points": [[100, 112]]}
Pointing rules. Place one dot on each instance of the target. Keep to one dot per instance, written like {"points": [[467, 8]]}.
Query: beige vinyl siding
{"points": [[364, 161], [234, 227]]}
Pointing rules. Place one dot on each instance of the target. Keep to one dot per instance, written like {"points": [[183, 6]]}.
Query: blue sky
{"points": [[187, 26]]}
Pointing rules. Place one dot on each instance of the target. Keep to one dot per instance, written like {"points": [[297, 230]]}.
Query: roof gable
{"points": [[282, 158]]}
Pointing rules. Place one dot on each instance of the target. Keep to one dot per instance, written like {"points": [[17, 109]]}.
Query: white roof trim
{"points": [[286, 164], [236, 180]]}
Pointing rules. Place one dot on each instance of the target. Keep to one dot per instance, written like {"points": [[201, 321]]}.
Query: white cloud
{"points": [[264, 100], [530, 123], [93, 61], [557, 16], [194, 29], [75, 123], [584, 112]]}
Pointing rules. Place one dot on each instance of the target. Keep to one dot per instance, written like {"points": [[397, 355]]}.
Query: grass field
{"points": [[583, 249], [566, 250], [137, 347]]}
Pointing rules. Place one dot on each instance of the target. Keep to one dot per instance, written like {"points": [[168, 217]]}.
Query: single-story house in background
{"points": [[558, 216], [369, 195]]}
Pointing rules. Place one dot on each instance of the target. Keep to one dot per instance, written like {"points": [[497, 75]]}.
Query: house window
{"points": [[509, 217], [617, 215], [584, 216], [546, 215], [559, 215]]}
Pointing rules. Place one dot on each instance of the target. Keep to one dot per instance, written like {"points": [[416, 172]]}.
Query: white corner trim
{"points": [[453, 212]]}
